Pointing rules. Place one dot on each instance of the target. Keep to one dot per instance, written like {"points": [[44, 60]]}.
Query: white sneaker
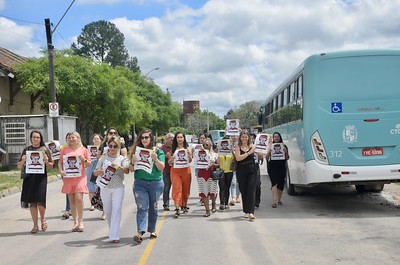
{"points": [[251, 216], [103, 216], [246, 215]]}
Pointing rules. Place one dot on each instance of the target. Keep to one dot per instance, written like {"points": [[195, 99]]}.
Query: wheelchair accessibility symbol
{"points": [[336, 107]]}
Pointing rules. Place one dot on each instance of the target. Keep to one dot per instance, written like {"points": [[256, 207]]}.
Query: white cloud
{"points": [[19, 38], [229, 52]]}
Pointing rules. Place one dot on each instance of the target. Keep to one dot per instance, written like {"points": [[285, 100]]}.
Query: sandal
{"points": [[274, 205], [176, 214], [66, 215], [153, 235], [138, 238], [34, 230], [185, 209], [207, 214], [213, 210], [44, 225]]}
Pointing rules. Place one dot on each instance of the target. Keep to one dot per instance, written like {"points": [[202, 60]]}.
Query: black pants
{"points": [[247, 177], [224, 187], [258, 187]]}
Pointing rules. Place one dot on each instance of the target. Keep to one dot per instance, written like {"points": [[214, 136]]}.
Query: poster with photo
{"points": [[54, 148], [109, 172], [143, 159], [201, 158], [72, 166], [232, 127], [93, 152], [35, 162], [224, 147], [181, 158], [277, 152], [261, 143]]}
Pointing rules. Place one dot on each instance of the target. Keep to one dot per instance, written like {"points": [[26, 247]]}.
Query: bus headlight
{"points": [[318, 149]]}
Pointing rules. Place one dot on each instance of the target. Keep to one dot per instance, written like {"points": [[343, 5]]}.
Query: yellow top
{"points": [[225, 162]]}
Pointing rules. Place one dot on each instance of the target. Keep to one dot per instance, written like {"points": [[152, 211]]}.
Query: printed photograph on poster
{"points": [[277, 152], [197, 146], [93, 152], [34, 162], [232, 127], [201, 158], [224, 146], [54, 147], [261, 143], [181, 158], [72, 166], [109, 172], [143, 159]]}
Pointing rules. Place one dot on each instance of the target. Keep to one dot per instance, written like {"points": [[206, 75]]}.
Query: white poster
{"points": [[54, 147], [232, 127], [261, 143], [143, 159], [34, 162], [93, 152], [72, 166], [109, 172], [277, 152], [201, 158], [181, 158], [224, 147]]}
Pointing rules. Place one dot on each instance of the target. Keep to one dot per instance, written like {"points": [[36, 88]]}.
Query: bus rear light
{"points": [[318, 149], [371, 120], [348, 173], [395, 170]]}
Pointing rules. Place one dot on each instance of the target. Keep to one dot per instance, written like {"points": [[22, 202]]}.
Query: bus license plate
{"points": [[376, 151]]}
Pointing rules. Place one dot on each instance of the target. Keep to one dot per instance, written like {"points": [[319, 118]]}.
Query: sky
{"points": [[220, 52]]}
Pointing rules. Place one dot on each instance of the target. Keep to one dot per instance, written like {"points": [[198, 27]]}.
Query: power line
{"points": [[20, 20]]}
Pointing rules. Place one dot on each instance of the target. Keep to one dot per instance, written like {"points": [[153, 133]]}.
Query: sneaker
{"points": [[251, 216], [166, 208], [227, 207], [103, 216], [232, 202], [246, 215], [91, 208], [222, 207]]}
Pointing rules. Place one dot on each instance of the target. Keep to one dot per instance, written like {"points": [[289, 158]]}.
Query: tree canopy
{"points": [[103, 42], [247, 113]]}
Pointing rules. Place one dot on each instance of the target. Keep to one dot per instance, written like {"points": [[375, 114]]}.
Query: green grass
{"points": [[11, 179]]}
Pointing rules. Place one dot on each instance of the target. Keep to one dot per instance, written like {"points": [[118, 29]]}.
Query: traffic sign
{"points": [[53, 109]]}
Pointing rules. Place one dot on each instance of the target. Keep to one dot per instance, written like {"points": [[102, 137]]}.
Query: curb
{"points": [[14, 190]]}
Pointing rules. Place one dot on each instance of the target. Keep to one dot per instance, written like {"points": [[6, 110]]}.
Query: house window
{"points": [[15, 133]]}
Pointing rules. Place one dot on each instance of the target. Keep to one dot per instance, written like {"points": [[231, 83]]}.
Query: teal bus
{"points": [[339, 115], [217, 135]]}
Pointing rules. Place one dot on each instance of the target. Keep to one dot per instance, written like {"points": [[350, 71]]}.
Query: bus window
{"points": [[292, 93]]}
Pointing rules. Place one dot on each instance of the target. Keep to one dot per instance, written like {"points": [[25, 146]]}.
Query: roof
{"points": [[9, 59]]}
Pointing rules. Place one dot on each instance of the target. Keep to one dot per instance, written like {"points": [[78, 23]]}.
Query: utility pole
{"points": [[50, 49]]}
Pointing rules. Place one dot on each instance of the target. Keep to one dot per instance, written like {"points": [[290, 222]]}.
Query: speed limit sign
{"points": [[53, 109]]}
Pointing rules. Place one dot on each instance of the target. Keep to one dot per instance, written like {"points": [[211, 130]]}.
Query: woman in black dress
{"points": [[34, 186], [277, 169]]}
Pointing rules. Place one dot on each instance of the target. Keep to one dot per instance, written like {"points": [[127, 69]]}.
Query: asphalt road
{"points": [[328, 226]]}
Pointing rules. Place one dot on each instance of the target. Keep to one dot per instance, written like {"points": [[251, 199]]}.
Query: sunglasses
{"points": [[112, 146], [112, 133], [145, 137]]}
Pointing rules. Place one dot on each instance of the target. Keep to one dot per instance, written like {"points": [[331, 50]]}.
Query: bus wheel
{"points": [[360, 188], [375, 187], [290, 189]]}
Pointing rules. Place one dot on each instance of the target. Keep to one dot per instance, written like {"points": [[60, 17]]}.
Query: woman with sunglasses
{"points": [[112, 193], [147, 187], [181, 178], [112, 132]]}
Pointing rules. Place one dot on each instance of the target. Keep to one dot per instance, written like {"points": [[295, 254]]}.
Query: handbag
{"points": [[233, 165], [217, 174], [96, 200]]}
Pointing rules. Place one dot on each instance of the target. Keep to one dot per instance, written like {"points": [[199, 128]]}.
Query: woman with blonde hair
{"points": [[75, 158]]}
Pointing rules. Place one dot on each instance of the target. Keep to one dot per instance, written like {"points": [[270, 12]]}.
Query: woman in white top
{"points": [[110, 171]]}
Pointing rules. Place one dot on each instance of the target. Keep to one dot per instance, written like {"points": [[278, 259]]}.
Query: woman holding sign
{"points": [[277, 155], [74, 158], [180, 157], [148, 162], [110, 172], [34, 186]]}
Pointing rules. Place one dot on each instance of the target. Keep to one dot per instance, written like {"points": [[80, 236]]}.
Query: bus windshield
{"points": [[351, 77]]}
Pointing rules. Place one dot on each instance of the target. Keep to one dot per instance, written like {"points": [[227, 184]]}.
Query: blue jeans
{"points": [[147, 194], [167, 188]]}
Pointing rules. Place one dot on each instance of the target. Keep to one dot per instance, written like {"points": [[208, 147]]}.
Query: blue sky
{"points": [[221, 52]]}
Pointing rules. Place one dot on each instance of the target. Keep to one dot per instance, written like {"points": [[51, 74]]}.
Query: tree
{"points": [[196, 123], [247, 113], [103, 42], [99, 95], [132, 64]]}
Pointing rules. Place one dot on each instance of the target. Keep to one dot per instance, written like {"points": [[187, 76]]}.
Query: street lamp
{"points": [[208, 121], [154, 69]]}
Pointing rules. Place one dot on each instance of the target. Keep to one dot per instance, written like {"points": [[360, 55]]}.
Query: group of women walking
{"points": [[170, 167]]}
